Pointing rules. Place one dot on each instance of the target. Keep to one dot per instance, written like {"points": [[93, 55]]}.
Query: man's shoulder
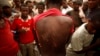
{"points": [[81, 30], [59, 18]]}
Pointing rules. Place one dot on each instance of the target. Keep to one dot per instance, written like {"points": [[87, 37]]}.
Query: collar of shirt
{"points": [[29, 17]]}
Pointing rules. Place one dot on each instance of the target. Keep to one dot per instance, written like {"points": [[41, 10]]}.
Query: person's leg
{"points": [[19, 53], [30, 49], [23, 49], [37, 53]]}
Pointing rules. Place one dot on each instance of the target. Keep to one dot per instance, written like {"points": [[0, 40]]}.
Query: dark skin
{"points": [[22, 1], [7, 12], [86, 49], [17, 3], [2, 21], [91, 29], [30, 5], [40, 8], [24, 16], [50, 34], [76, 7], [64, 4], [92, 4], [24, 11]]}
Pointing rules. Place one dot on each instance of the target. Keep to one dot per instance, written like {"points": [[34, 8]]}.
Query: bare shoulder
{"points": [[55, 22], [61, 19]]}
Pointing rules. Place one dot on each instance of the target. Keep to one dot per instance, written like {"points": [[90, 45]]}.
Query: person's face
{"points": [[7, 11], [30, 5], [22, 1], [92, 4], [24, 11], [76, 6], [85, 6], [40, 8], [17, 2], [91, 28], [64, 4]]}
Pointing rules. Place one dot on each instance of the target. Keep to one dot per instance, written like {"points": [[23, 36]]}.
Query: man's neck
{"points": [[53, 6], [7, 15], [24, 17]]}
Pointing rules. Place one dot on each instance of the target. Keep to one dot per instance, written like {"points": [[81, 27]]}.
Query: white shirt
{"points": [[66, 10], [80, 39]]}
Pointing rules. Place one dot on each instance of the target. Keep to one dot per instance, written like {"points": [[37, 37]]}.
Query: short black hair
{"points": [[41, 3], [77, 2], [6, 7], [28, 2], [95, 19], [59, 2]]}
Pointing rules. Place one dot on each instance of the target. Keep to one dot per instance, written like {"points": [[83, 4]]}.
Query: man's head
{"points": [[22, 1], [54, 2], [92, 4], [24, 10], [76, 5], [40, 7], [94, 23], [17, 2], [64, 4], [1, 12], [7, 10], [30, 4], [85, 6]]}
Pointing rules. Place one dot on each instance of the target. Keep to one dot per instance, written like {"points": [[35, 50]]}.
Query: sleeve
{"points": [[76, 42]]}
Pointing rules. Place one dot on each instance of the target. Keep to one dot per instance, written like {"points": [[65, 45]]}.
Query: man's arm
{"points": [[97, 43]]}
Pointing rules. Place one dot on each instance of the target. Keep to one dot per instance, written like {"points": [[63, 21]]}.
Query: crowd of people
{"points": [[50, 28]]}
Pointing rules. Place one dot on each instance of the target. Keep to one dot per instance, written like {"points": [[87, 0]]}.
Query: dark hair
{"points": [[28, 2], [95, 19], [59, 2], [5, 7], [40, 3], [77, 2]]}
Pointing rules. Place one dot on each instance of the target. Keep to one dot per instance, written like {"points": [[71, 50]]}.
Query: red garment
{"points": [[26, 37], [8, 47], [50, 12]]}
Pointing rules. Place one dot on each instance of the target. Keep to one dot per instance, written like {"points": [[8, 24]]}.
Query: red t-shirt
{"points": [[28, 36], [8, 47]]}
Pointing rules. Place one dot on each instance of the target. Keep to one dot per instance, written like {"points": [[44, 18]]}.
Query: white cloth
{"points": [[65, 11], [80, 39], [82, 15], [85, 1]]}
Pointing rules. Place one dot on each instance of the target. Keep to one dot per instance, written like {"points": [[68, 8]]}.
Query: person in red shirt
{"points": [[24, 26], [8, 46]]}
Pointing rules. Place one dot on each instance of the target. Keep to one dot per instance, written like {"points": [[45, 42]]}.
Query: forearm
{"points": [[97, 43]]}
